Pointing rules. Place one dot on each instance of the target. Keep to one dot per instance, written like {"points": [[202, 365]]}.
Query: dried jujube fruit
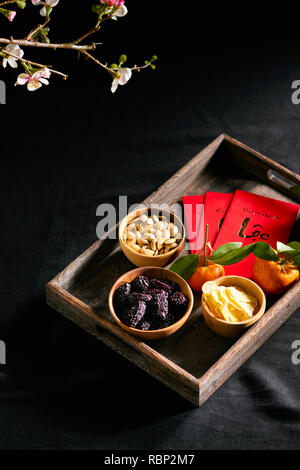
{"points": [[149, 304], [177, 301], [158, 284], [134, 297], [122, 294], [134, 314], [168, 321], [160, 306], [140, 284], [144, 325], [173, 285]]}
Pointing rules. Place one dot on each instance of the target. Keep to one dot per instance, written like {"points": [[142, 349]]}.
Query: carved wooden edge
{"points": [[244, 347], [76, 310]]}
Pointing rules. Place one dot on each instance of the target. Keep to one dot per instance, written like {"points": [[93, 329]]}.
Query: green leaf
{"points": [[296, 247], [113, 66], [235, 256], [122, 59], [185, 266], [292, 249], [153, 66], [21, 3], [153, 58], [264, 251], [224, 249], [296, 189], [96, 9]]}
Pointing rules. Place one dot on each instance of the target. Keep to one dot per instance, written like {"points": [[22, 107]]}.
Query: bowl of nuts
{"points": [[150, 302], [151, 237]]}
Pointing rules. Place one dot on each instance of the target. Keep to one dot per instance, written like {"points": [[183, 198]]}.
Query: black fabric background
{"points": [[71, 146]]}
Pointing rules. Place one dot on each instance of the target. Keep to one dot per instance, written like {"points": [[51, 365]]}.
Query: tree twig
{"points": [[7, 2], [38, 28], [26, 61], [65, 45], [97, 61], [88, 33]]}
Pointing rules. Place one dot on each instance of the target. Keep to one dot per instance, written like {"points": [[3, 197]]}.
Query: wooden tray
{"points": [[194, 361]]}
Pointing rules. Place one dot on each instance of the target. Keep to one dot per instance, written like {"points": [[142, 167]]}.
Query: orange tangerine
{"points": [[205, 273], [273, 276]]}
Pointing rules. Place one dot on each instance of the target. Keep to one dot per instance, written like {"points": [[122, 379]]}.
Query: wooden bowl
{"points": [[160, 273], [230, 329], [144, 260]]}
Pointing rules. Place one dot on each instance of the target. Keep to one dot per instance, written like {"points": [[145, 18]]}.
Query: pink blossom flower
{"points": [[34, 81], [121, 11], [11, 15], [46, 3], [121, 8], [113, 3], [121, 78], [12, 59]]}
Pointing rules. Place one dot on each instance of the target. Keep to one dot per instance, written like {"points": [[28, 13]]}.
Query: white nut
{"points": [[149, 236], [130, 227], [170, 241], [147, 252], [142, 241], [131, 235], [160, 243], [172, 246], [134, 246], [174, 230], [158, 234], [153, 245], [138, 234], [166, 234]]}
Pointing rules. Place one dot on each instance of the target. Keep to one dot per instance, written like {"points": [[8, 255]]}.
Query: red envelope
{"points": [[251, 218], [193, 214], [216, 205]]}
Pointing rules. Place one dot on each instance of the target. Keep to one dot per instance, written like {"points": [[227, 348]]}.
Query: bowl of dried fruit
{"points": [[150, 302], [151, 237]]}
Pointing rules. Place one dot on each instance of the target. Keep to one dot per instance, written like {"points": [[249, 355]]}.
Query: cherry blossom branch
{"points": [[37, 73], [95, 29], [65, 45], [37, 29], [36, 64], [7, 2], [97, 61], [89, 33]]}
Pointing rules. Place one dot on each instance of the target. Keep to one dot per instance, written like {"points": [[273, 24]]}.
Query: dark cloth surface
{"points": [[70, 147]]}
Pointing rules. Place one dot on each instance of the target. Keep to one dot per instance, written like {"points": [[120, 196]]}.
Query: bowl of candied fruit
{"points": [[150, 302]]}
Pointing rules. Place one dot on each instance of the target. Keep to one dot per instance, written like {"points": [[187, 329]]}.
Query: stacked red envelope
{"points": [[240, 217]]}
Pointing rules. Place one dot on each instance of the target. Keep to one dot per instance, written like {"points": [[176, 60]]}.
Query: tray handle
{"points": [[264, 168], [283, 181]]}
